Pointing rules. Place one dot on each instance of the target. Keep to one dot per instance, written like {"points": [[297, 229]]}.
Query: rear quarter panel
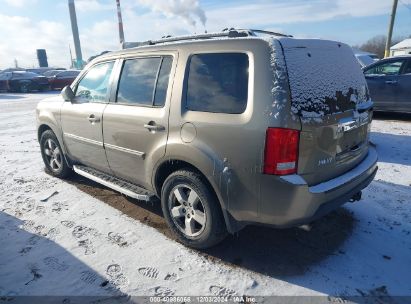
{"points": [[229, 148]]}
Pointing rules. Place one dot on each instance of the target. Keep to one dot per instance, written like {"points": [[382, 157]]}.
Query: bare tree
{"points": [[376, 45]]}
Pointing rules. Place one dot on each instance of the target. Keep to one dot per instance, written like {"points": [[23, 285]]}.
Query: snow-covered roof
{"points": [[402, 45]]}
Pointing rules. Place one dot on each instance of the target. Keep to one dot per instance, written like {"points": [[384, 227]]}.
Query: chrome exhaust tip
{"points": [[356, 197]]}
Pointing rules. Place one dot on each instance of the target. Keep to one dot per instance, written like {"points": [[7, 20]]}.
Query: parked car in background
{"points": [[365, 58], [41, 71], [237, 131], [21, 81], [389, 82], [3, 84], [60, 79]]}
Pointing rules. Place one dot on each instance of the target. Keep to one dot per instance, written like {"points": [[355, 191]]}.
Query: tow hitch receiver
{"points": [[356, 197]]}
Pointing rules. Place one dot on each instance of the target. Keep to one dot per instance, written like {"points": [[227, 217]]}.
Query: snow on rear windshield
{"points": [[324, 77]]}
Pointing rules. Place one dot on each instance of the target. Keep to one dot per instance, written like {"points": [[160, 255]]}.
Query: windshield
{"points": [[51, 73]]}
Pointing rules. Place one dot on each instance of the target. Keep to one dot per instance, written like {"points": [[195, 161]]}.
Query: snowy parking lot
{"points": [[74, 237]]}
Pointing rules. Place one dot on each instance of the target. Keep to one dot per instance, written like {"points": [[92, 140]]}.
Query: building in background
{"points": [[42, 58], [402, 48]]}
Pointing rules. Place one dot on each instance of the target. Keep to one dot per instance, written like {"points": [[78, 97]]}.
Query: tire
{"points": [[45, 89], [195, 218], [24, 87], [53, 156]]}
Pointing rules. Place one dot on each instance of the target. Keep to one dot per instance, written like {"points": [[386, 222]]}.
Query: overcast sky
{"points": [[26, 25]]}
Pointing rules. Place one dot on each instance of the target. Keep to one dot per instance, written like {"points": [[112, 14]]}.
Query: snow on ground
{"points": [[75, 244]]}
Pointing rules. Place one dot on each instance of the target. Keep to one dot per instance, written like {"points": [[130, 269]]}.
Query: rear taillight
{"points": [[281, 151]]}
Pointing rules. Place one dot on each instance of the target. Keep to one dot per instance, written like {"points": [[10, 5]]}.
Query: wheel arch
{"points": [[41, 129], [170, 165], [47, 126]]}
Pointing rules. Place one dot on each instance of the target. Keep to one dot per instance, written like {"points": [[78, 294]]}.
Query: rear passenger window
{"points": [[162, 82], [407, 69], [144, 81], [217, 83]]}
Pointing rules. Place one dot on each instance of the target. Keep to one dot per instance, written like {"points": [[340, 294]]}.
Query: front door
{"points": [[382, 79], [135, 125], [404, 89], [82, 118]]}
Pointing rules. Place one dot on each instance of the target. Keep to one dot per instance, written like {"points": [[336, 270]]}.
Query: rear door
{"points": [[329, 94], [135, 124], [81, 119], [383, 83]]}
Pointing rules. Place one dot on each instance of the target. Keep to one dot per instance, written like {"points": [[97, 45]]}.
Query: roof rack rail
{"points": [[253, 31], [227, 32], [231, 34]]}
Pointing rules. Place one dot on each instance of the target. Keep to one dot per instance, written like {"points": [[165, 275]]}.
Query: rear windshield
{"points": [[324, 77]]}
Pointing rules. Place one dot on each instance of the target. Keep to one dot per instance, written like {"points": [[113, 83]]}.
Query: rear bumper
{"points": [[292, 202]]}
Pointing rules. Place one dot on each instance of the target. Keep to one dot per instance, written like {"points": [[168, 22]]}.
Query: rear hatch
{"points": [[329, 94]]}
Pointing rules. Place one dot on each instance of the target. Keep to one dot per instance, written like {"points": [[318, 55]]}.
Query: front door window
{"points": [[93, 87]]}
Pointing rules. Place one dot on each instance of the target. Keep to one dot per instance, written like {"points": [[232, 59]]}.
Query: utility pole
{"points": [[120, 24], [390, 28], [76, 38]]}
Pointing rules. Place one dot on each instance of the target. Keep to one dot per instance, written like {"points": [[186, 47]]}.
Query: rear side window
{"points": [[162, 82], [407, 69], [24, 75], [217, 83], [144, 81]]}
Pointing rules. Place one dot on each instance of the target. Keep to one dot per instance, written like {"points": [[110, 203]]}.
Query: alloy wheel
{"points": [[187, 211], [53, 155]]}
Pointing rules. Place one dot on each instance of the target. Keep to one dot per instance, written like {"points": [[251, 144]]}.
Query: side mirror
{"points": [[67, 93]]}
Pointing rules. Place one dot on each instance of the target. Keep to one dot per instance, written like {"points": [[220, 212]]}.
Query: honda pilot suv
{"points": [[227, 129]]}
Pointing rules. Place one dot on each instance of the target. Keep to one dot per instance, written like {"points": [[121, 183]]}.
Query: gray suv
{"points": [[227, 129]]}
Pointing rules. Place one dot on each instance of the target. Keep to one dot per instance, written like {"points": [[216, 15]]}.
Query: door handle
{"points": [[391, 81], [93, 119], [152, 126]]}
